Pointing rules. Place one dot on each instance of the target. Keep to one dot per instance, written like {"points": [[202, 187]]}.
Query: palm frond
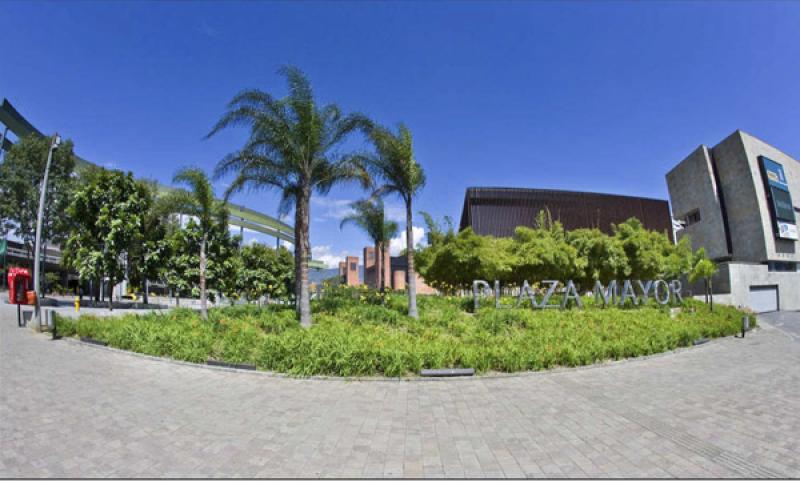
{"points": [[200, 193], [394, 162], [288, 200]]}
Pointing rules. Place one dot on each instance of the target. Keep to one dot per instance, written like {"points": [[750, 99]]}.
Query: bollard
{"points": [[745, 324], [47, 318], [77, 304]]}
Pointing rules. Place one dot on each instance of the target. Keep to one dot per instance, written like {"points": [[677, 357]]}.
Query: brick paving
{"points": [[730, 408]]}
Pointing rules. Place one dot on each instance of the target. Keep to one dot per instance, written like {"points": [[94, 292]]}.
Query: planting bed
{"points": [[361, 333]]}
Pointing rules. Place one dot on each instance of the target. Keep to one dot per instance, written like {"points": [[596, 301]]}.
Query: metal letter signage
{"points": [[663, 292]]}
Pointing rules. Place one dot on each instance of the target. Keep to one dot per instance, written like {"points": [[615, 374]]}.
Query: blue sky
{"points": [[598, 96]]}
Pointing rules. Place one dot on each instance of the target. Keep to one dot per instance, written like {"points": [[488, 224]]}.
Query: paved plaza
{"points": [[729, 408]]}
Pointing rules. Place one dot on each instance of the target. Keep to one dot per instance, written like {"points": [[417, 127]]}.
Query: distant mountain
{"points": [[317, 276]]}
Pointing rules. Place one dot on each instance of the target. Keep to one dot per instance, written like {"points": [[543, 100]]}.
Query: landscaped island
{"points": [[355, 334]]}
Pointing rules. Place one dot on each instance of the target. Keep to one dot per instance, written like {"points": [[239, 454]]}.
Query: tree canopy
{"points": [[547, 252], [107, 213], [21, 175]]}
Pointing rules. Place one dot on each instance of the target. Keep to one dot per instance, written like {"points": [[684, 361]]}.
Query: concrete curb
{"points": [[480, 378]]}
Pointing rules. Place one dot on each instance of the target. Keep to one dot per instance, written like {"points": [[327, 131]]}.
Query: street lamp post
{"points": [[39, 219]]}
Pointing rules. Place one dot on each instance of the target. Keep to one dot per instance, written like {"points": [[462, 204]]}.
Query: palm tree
{"points": [[370, 217], [200, 203], [394, 164], [291, 149]]}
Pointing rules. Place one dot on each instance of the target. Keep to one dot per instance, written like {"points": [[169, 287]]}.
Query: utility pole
{"points": [[37, 282]]}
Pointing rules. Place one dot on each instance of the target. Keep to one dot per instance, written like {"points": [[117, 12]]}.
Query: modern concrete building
{"points": [[738, 200]]}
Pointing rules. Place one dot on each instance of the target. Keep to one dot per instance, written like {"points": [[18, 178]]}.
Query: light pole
{"points": [[39, 219]]}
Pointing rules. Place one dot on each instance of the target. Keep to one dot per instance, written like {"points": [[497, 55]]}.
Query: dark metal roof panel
{"points": [[498, 211]]}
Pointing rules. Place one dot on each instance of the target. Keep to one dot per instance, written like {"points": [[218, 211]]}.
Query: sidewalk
{"points": [[728, 408]]}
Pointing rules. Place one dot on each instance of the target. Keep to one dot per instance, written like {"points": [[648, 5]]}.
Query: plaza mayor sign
{"points": [[663, 293]]}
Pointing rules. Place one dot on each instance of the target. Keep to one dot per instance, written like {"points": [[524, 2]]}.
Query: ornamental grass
{"points": [[364, 333]]}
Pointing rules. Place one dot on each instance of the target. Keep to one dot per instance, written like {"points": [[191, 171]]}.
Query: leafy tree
{"points": [[680, 259], [21, 174], [291, 148], [436, 231], [704, 268], [182, 262], [208, 213], [148, 252], [646, 250], [106, 213], [452, 261], [229, 281], [370, 217], [544, 253], [182, 265], [604, 256], [453, 264], [266, 271], [394, 164]]}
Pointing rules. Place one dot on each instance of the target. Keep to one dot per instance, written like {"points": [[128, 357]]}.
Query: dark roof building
{"points": [[497, 211]]}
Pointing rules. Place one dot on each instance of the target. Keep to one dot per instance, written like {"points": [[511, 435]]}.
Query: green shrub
{"points": [[358, 332], [65, 326]]}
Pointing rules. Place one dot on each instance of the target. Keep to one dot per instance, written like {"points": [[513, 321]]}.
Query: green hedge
{"points": [[357, 333]]}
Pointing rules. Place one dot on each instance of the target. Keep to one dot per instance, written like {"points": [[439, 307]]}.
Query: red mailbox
{"points": [[19, 281]]}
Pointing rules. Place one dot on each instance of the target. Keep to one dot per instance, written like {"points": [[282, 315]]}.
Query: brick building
{"points": [[395, 266], [348, 271]]}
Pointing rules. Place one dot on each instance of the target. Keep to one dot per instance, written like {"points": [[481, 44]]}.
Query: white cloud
{"points": [[399, 243], [325, 254], [396, 212], [325, 208]]}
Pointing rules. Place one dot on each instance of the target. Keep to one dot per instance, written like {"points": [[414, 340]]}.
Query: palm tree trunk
{"points": [[301, 249], [387, 282], [378, 267], [203, 293], [412, 282]]}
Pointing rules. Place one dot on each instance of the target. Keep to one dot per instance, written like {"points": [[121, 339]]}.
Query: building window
{"points": [[778, 266], [353, 266], [692, 217]]}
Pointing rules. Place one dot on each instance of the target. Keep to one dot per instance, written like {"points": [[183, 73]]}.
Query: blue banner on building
{"points": [[780, 199], [774, 172]]}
